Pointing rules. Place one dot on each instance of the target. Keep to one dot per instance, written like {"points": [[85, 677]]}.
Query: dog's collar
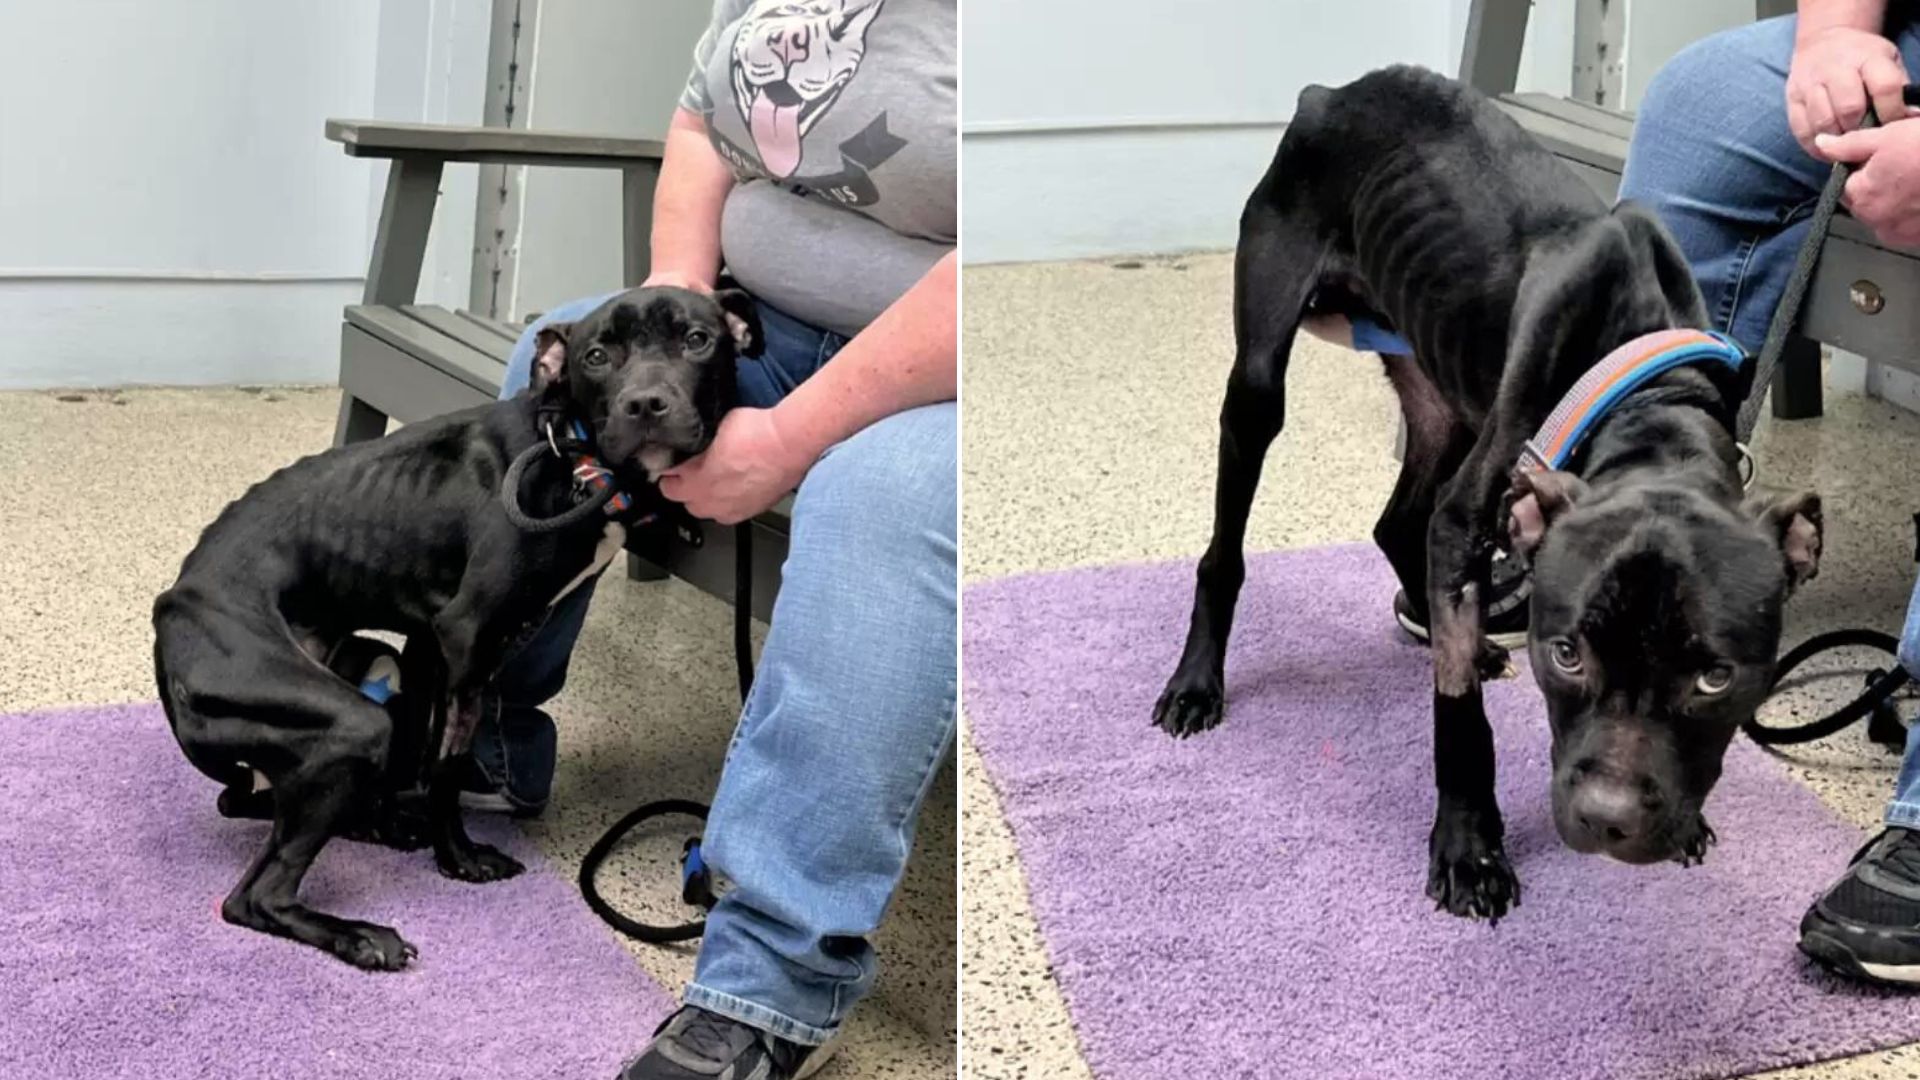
{"points": [[589, 472], [1620, 373]]}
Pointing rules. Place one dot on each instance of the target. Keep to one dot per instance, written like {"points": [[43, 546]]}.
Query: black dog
{"points": [[409, 534], [1412, 200]]}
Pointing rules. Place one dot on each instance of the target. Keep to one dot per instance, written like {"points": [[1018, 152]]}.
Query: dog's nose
{"points": [[645, 404], [1614, 811]]}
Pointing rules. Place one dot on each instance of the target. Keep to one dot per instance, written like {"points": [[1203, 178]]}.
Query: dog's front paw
{"points": [[1493, 661], [1189, 705], [1467, 873], [372, 948], [478, 862], [404, 827], [1694, 844]]}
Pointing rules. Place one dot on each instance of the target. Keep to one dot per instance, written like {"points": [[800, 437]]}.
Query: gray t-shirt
{"points": [[838, 117]]}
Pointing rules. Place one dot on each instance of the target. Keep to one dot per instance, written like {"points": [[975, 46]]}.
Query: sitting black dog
{"points": [[409, 533], [1414, 202]]}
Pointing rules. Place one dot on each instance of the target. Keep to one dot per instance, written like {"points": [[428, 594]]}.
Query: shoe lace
{"points": [[709, 1034], [1902, 857]]}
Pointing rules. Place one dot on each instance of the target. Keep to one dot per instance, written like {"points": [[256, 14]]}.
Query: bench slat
{"points": [[465, 331], [1604, 113], [397, 385], [505, 146], [477, 369], [1569, 140], [1606, 121], [493, 326]]}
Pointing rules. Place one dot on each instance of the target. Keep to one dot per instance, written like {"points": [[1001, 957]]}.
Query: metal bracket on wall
{"points": [[1599, 51], [496, 226]]}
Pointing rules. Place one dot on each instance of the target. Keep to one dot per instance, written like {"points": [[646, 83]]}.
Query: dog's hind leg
{"points": [[310, 804], [1278, 263], [248, 694]]}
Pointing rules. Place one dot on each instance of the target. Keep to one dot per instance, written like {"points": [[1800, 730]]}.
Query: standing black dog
{"points": [[409, 534], [1414, 201]]}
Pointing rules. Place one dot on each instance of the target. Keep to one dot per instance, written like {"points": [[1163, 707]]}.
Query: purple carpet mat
{"points": [[114, 962], [1249, 902]]}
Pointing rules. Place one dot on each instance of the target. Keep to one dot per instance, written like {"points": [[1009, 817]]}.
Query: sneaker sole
{"points": [[1510, 640], [1829, 951], [492, 802]]}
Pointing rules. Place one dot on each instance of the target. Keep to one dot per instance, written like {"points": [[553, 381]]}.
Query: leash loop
{"points": [[510, 496], [696, 885]]}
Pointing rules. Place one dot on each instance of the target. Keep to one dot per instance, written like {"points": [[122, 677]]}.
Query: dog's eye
{"points": [[596, 356], [698, 340], [1714, 680], [1565, 655]]}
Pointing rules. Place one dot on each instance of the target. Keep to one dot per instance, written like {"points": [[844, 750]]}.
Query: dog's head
{"points": [[1655, 625], [651, 371]]}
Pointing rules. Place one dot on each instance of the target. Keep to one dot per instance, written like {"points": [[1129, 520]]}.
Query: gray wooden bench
{"points": [[1862, 297], [403, 361]]}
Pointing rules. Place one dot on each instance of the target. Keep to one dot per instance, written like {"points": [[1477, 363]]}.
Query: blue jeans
{"points": [[1713, 156], [852, 709]]}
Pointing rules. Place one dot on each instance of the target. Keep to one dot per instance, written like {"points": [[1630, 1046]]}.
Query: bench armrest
{"points": [[490, 145]]}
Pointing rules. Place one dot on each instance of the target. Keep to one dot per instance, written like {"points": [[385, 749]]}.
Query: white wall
{"points": [[169, 211], [610, 67], [1095, 127]]}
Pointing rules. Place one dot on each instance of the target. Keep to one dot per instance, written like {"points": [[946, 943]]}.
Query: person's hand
{"points": [[1884, 192], [678, 279], [1835, 73], [750, 465]]}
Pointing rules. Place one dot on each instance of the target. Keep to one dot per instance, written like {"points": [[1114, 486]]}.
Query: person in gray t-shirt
{"points": [[813, 154]]}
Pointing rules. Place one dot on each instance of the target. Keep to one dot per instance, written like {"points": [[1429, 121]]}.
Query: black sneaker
{"points": [[695, 1044], [1506, 616], [1868, 924], [511, 768]]}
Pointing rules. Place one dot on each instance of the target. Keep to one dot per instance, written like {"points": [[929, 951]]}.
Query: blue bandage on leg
{"points": [[1369, 336]]}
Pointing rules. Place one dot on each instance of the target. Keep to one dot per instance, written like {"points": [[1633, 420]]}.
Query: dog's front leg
{"points": [[458, 855], [1467, 871], [471, 648]]}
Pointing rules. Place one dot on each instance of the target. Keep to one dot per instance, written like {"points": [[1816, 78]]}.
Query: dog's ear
{"points": [[1537, 498], [1796, 524], [549, 355], [743, 320]]}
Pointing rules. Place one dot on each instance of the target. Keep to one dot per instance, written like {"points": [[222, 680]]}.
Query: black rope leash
{"points": [[1876, 702], [696, 880], [574, 515]]}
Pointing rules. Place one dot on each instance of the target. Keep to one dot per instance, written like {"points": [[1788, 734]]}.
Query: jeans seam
{"points": [[898, 827], [1730, 299], [756, 1015]]}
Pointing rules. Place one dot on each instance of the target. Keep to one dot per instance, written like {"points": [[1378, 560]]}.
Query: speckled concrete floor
{"points": [[1091, 393], [105, 492]]}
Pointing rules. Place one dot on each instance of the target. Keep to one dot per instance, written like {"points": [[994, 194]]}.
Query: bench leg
{"points": [[640, 568], [1796, 382], [358, 421]]}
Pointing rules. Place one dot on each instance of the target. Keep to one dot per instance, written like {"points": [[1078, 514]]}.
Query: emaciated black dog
{"points": [[408, 534], [1413, 201]]}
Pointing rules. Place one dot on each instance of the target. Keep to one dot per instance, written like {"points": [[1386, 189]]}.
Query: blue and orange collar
{"points": [[1617, 375]]}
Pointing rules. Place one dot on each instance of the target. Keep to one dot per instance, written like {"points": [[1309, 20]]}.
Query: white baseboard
{"points": [[1894, 386], [1086, 192], [98, 333]]}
